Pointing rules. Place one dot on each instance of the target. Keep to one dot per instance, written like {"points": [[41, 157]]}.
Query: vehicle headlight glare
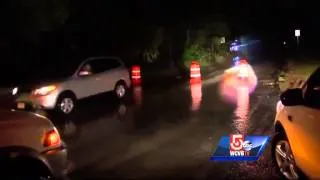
{"points": [[44, 90], [14, 91]]}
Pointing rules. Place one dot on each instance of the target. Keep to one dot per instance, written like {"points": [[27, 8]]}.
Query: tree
{"points": [[35, 16], [203, 43], [151, 52]]}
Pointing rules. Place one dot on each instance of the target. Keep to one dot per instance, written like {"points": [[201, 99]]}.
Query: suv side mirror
{"points": [[292, 97]]}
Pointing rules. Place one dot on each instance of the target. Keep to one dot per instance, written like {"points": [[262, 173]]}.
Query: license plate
{"points": [[21, 105]]}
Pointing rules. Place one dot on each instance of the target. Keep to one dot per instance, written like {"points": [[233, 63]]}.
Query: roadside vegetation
{"points": [[295, 74]]}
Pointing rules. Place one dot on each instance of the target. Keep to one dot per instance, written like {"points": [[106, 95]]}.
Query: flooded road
{"points": [[173, 133], [170, 130]]}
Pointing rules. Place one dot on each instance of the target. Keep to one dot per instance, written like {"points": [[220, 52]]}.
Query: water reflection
{"points": [[237, 91], [137, 94], [69, 128], [242, 110], [136, 82], [196, 94], [122, 109]]}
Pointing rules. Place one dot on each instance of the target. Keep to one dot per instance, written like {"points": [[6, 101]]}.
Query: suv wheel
{"points": [[283, 158], [120, 90], [66, 103]]}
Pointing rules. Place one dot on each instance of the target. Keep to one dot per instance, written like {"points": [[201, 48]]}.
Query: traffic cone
{"points": [[195, 72], [136, 75]]}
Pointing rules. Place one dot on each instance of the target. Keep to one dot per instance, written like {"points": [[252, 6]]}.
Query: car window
{"points": [[102, 65], [312, 90], [86, 69], [314, 79], [52, 70]]}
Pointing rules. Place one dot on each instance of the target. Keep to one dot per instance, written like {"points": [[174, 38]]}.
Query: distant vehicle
{"points": [[64, 84], [296, 144], [30, 147]]}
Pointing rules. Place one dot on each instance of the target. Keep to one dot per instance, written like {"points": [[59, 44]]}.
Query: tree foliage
{"points": [[151, 51], [111, 28], [35, 16], [204, 44]]}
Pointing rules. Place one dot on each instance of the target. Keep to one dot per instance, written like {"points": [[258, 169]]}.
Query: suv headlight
{"points": [[45, 90], [15, 91]]}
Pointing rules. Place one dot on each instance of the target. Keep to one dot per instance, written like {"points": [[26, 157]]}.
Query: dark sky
{"points": [[270, 18], [273, 20], [262, 16]]}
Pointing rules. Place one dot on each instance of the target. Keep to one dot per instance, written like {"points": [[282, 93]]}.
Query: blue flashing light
{"points": [[235, 60], [234, 48]]}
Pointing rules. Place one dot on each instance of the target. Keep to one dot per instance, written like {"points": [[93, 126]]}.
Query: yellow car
{"points": [[296, 143]]}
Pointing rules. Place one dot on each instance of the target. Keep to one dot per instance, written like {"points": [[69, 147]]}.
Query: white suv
{"points": [[91, 77], [296, 144], [31, 147]]}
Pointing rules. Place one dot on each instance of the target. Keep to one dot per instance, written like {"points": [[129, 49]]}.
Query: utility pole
{"points": [[297, 35]]}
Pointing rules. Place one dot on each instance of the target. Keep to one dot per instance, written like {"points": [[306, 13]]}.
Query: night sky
{"points": [[264, 17], [271, 20]]}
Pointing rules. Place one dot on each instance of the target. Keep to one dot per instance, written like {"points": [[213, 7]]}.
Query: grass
{"points": [[304, 69], [296, 72]]}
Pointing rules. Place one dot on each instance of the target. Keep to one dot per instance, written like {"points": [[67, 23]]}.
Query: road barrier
{"points": [[135, 72], [195, 72], [136, 75]]}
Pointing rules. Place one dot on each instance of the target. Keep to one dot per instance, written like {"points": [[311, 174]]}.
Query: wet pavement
{"points": [[171, 131]]}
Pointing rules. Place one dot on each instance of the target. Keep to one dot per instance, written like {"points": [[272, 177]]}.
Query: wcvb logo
{"points": [[239, 146]]}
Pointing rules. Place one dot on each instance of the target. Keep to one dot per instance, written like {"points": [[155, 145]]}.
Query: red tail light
{"points": [[51, 138]]}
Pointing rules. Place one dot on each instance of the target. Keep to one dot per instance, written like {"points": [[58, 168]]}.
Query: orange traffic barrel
{"points": [[195, 70], [136, 72]]}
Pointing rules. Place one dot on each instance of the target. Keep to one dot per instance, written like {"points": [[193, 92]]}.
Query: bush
{"points": [[198, 53]]}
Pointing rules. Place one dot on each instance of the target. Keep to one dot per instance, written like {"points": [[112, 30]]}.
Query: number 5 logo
{"points": [[236, 142]]}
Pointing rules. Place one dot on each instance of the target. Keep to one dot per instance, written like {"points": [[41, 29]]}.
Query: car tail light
{"points": [[51, 138]]}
